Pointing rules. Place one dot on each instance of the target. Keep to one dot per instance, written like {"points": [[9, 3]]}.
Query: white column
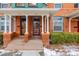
{"points": [[47, 23], [26, 23], [69, 24], [5, 24], [42, 24], [14, 24], [10, 23]]}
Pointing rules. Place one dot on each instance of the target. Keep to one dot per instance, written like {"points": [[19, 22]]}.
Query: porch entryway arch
{"points": [[73, 18]]}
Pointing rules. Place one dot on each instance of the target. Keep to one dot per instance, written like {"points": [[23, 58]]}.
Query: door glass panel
{"points": [[36, 27]]}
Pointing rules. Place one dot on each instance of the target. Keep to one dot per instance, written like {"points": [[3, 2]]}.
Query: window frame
{"points": [[54, 24]]}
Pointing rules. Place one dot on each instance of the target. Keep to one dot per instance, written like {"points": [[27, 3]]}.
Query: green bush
{"points": [[1, 38], [62, 38]]}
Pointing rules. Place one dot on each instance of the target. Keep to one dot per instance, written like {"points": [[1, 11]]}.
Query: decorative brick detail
{"points": [[45, 39], [26, 37], [7, 37]]}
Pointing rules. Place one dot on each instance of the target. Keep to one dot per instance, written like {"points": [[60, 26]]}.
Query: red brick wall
{"points": [[74, 25], [17, 25], [65, 24]]}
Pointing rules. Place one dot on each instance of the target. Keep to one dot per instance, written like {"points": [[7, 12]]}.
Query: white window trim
{"points": [[58, 3], [62, 24]]}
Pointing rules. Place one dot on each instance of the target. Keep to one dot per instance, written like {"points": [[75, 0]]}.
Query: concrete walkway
{"points": [[18, 44]]}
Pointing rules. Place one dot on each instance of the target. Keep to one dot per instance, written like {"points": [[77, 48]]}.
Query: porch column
{"points": [[7, 37], [48, 23], [26, 23], [69, 24], [26, 36], [42, 24], [14, 24], [45, 24], [5, 23], [10, 23]]}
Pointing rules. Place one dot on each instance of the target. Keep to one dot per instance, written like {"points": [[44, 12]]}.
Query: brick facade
{"points": [[66, 9]]}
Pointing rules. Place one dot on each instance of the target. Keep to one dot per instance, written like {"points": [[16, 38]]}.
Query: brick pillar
{"points": [[45, 39], [45, 34], [6, 38], [26, 37]]}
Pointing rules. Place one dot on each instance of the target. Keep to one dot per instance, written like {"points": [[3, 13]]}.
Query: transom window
{"points": [[58, 5], [58, 24]]}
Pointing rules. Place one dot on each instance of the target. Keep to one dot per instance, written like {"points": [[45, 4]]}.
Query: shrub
{"points": [[1, 38], [61, 38]]}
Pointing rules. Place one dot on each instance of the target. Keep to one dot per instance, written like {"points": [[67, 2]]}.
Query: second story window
{"points": [[21, 4], [4, 5], [58, 5], [76, 5]]}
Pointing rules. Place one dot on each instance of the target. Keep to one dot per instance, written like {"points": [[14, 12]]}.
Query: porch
{"points": [[71, 21], [15, 28], [18, 44]]}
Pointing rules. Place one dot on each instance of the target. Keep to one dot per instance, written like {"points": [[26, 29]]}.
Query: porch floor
{"points": [[18, 44]]}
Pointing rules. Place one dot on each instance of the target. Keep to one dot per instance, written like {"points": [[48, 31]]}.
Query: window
{"points": [[58, 24], [1, 23], [21, 4], [58, 5], [7, 28], [2, 18], [2, 27], [4, 5], [32, 5], [76, 5]]}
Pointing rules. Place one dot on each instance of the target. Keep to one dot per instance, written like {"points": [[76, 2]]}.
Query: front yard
{"points": [[64, 44], [64, 38]]}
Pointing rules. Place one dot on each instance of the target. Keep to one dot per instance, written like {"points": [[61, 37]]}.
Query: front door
{"points": [[36, 26], [23, 25]]}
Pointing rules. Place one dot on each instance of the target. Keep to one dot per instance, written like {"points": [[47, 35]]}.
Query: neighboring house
{"points": [[29, 20]]}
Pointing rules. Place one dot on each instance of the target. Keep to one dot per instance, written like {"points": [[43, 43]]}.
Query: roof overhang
{"points": [[29, 11], [72, 14]]}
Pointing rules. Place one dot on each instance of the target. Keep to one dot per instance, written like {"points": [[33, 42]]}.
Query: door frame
{"points": [[21, 24], [39, 17]]}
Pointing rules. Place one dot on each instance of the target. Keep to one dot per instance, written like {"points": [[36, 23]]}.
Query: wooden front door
{"points": [[36, 26], [23, 25]]}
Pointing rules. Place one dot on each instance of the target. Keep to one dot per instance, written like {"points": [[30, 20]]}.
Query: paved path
{"points": [[18, 44], [31, 53], [21, 53]]}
